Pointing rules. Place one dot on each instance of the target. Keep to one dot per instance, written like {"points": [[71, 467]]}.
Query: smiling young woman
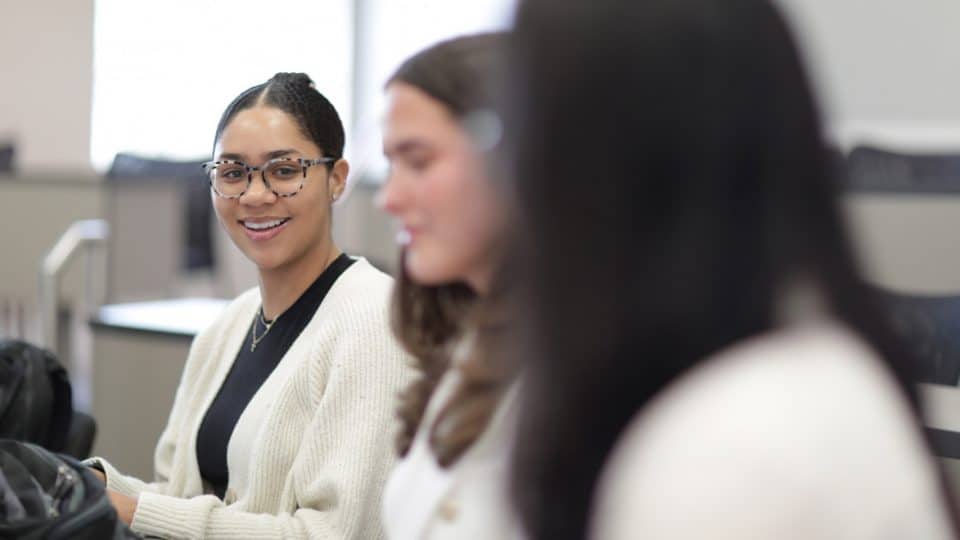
{"points": [[282, 423]]}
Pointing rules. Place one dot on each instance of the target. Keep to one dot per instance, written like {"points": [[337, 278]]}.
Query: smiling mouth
{"points": [[263, 225]]}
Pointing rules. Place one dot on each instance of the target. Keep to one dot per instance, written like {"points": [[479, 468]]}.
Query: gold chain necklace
{"points": [[267, 326]]}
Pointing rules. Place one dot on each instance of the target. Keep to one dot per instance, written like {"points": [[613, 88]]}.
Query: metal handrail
{"points": [[85, 234]]}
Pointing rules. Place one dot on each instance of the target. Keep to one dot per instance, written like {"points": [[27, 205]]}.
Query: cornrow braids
{"points": [[296, 95]]}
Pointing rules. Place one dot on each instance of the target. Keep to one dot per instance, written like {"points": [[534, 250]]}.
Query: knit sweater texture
{"points": [[312, 450]]}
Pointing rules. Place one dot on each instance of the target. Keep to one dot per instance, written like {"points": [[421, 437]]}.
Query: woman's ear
{"points": [[337, 179]]}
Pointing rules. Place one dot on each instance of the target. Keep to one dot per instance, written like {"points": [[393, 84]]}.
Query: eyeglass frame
{"points": [[250, 169]]}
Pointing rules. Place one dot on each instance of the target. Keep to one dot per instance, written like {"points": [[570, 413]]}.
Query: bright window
{"points": [[392, 31], [164, 70]]}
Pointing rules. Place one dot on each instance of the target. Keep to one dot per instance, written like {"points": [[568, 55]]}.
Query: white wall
{"points": [[887, 70], [46, 58], [884, 67]]}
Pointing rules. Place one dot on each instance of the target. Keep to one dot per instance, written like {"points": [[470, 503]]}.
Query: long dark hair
{"points": [[673, 181], [462, 74], [296, 95]]}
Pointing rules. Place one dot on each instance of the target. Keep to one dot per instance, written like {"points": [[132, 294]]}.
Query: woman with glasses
{"points": [[448, 305], [283, 421], [704, 360]]}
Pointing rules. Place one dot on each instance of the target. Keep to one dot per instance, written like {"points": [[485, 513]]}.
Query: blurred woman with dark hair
{"points": [[448, 308], [704, 359]]}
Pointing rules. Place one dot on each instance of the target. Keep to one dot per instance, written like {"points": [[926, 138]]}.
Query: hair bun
{"points": [[294, 79]]}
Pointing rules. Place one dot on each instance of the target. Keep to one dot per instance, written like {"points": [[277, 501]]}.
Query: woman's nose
{"points": [[390, 198], [257, 192]]}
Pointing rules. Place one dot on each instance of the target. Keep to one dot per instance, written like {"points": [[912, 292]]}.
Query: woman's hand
{"points": [[99, 474], [124, 505]]}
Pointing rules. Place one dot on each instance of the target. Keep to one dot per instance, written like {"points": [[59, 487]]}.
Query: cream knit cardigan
{"points": [[322, 426]]}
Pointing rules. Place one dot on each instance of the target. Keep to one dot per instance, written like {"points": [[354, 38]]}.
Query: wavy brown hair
{"points": [[430, 320]]}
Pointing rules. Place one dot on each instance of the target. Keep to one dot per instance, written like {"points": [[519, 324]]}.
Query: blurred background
{"points": [[112, 258]]}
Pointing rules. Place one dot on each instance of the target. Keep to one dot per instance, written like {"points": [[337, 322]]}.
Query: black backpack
{"points": [[36, 403], [53, 497]]}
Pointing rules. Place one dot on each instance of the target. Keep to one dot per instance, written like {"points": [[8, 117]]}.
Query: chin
{"points": [[427, 272], [264, 261]]}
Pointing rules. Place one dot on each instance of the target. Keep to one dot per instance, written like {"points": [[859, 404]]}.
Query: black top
{"points": [[250, 369]]}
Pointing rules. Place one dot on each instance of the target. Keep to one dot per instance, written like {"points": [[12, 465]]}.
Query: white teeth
{"points": [[259, 226]]}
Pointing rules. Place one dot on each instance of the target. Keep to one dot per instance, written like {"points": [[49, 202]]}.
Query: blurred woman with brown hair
{"points": [[447, 304]]}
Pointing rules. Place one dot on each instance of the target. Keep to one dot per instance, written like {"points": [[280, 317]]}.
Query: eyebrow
{"points": [[266, 157], [406, 146]]}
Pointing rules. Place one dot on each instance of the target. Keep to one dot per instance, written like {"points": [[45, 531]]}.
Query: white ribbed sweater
{"points": [[322, 427], [797, 434]]}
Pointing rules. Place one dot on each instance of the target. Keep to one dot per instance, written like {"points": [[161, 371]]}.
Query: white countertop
{"points": [[181, 316], [941, 406]]}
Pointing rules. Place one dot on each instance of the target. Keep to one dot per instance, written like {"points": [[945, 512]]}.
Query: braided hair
{"points": [[296, 95]]}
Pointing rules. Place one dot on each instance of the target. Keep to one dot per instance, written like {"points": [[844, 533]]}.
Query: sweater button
{"points": [[447, 511]]}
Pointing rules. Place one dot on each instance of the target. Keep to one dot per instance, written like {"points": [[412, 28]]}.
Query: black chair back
{"points": [[7, 154], [880, 170], [930, 327], [198, 212]]}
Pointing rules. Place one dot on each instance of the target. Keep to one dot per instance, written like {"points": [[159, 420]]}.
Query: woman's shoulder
{"points": [[781, 427], [800, 368], [243, 303], [353, 320], [236, 313], [789, 388], [357, 307], [362, 274], [362, 286]]}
